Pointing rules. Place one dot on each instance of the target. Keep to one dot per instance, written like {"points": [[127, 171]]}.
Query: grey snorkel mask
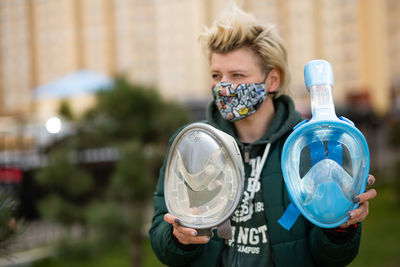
{"points": [[204, 179]]}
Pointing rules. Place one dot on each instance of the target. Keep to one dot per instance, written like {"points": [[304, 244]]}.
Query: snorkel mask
{"points": [[204, 179], [325, 161]]}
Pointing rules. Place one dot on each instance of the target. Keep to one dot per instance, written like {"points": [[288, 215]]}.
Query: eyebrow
{"points": [[231, 71]]}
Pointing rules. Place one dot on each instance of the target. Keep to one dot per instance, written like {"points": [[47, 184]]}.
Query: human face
{"points": [[238, 84], [238, 66]]}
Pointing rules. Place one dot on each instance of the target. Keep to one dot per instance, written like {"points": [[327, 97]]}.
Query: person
{"points": [[242, 52]]}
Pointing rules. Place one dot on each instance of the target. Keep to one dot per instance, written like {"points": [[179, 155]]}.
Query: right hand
{"points": [[183, 234]]}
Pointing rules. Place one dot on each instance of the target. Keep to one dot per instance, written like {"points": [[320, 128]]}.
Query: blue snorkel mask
{"points": [[325, 161]]}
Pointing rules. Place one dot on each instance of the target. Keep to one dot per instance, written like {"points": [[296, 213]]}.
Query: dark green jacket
{"points": [[304, 245]]}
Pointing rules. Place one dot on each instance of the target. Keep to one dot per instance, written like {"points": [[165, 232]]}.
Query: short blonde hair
{"points": [[236, 29]]}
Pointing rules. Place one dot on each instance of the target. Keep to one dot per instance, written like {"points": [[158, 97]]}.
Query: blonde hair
{"points": [[236, 29]]}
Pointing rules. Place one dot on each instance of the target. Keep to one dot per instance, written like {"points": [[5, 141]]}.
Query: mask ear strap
{"points": [[272, 94], [266, 76]]}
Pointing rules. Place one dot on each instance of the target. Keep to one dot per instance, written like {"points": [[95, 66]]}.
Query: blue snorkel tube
{"points": [[325, 161]]}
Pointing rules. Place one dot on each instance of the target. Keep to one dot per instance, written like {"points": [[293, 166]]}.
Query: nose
{"points": [[225, 79], [221, 80]]}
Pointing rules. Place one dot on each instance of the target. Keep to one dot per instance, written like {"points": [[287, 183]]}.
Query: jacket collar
{"points": [[285, 118]]}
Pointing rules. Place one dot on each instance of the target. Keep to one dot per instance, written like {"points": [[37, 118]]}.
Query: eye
{"points": [[215, 76], [238, 75]]}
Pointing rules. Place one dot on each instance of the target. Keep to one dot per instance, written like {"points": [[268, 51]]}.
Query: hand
{"points": [[359, 214], [183, 234]]}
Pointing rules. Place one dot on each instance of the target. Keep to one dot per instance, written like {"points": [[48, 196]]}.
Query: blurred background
{"points": [[91, 91]]}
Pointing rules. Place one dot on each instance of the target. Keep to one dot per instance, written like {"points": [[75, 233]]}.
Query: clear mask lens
{"points": [[203, 182], [325, 161], [326, 171]]}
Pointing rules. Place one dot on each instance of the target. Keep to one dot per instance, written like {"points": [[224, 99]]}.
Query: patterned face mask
{"points": [[239, 101]]}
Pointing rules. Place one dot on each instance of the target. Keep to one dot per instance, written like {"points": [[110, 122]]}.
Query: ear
{"points": [[273, 80]]}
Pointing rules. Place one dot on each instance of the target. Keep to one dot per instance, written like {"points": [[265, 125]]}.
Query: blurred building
{"points": [[77, 89], [155, 42], [393, 51]]}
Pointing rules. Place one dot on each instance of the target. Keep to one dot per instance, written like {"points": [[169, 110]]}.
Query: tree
{"points": [[136, 120], [130, 112], [68, 186], [8, 206], [65, 110]]}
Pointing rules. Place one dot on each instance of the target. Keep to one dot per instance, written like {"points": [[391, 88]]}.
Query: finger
{"points": [[344, 225], [371, 180], [369, 194], [359, 214], [185, 230], [171, 219], [185, 236], [192, 240], [202, 239]]}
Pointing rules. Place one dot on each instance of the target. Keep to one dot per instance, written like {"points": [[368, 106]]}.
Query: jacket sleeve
{"points": [[334, 249], [162, 242]]}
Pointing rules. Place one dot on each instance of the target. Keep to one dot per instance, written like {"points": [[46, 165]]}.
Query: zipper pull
{"points": [[246, 154]]}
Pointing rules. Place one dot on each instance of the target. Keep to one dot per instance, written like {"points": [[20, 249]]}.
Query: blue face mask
{"points": [[325, 161]]}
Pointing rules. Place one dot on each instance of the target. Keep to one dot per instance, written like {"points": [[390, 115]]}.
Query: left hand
{"points": [[359, 214]]}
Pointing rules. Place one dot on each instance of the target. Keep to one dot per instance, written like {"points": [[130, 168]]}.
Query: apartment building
{"points": [[154, 42]]}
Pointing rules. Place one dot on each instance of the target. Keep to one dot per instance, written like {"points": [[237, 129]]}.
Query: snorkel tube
{"points": [[325, 161]]}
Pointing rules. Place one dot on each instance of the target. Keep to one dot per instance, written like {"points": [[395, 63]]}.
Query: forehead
{"points": [[241, 58]]}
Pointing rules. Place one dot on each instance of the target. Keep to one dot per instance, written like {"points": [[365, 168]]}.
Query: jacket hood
{"points": [[285, 118]]}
